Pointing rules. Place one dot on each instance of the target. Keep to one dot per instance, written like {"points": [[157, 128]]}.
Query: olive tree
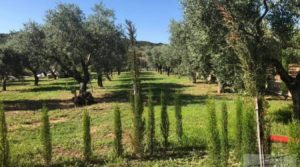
{"points": [[68, 41], [30, 42]]}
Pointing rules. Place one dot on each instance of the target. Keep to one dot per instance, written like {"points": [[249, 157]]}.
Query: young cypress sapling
{"points": [[164, 126], [249, 137], [224, 136], [178, 116], [118, 132], [214, 145], [87, 147], [151, 124], [238, 128], [46, 137]]}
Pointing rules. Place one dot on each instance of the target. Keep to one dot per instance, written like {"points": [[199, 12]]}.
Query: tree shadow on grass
{"points": [[18, 83], [173, 152], [79, 163], [49, 88], [17, 105], [121, 93]]}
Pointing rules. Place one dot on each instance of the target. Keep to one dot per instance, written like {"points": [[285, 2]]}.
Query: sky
{"points": [[151, 17]]}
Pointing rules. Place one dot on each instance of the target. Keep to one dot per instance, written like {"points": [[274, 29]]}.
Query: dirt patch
{"points": [[63, 152], [35, 124]]}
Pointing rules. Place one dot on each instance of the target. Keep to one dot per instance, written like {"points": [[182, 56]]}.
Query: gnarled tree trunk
{"points": [[293, 85], [36, 79], [100, 80], [194, 77], [4, 80], [168, 71], [108, 77], [53, 74], [82, 87]]}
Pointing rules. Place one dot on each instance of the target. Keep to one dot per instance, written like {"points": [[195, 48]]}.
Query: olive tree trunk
{"points": [[296, 101], [4, 81], [100, 80], [36, 79]]}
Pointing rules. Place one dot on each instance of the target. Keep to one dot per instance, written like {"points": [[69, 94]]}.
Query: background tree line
{"points": [[68, 44]]}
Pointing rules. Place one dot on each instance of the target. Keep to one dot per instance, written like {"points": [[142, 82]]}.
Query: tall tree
{"points": [[10, 64], [107, 40], [191, 60], [67, 39], [30, 42]]}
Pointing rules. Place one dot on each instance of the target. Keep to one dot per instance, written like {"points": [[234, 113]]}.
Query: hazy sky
{"points": [[151, 17]]}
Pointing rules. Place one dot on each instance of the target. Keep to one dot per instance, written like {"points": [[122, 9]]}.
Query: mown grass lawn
{"points": [[23, 101]]}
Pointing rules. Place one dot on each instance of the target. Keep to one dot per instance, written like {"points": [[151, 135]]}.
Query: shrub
{"points": [[87, 149], [118, 132], [164, 126], [178, 116], [214, 145], [4, 146], [294, 136], [46, 137], [224, 136], [151, 124], [238, 128]]}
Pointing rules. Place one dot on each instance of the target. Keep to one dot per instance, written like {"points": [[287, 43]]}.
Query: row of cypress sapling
{"points": [[45, 136], [246, 129], [150, 129], [245, 134], [47, 141], [165, 124]]}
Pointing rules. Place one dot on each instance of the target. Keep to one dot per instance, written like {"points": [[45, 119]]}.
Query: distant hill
{"points": [[147, 43], [140, 44]]}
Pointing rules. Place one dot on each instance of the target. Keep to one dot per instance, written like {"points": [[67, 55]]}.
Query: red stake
{"points": [[279, 139]]}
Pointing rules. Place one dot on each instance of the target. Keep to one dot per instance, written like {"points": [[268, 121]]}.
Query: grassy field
{"points": [[23, 101]]}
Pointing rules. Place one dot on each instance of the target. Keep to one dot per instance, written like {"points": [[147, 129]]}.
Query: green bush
{"points": [[164, 126], [46, 137], [238, 128], [4, 146], [294, 136], [214, 145], [87, 147], [118, 132], [178, 116], [151, 124], [224, 136]]}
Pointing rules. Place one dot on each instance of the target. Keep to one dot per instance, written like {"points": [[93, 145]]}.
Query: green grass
{"points": [[23, 101]]}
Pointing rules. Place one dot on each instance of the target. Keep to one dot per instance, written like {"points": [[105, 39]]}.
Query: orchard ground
{"points": [[23, 101]]}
